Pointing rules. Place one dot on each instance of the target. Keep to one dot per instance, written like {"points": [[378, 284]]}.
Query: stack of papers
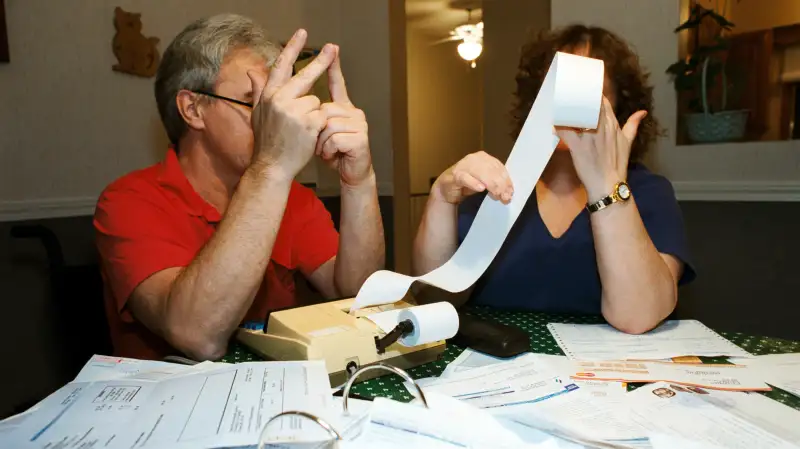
{"points": [[779, 370], [202, 406], [671, 339], [714, 418], [529, 401], [720, 377]]}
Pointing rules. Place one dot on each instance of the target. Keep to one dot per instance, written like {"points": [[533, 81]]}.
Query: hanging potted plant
{"points": [[705, 70]]}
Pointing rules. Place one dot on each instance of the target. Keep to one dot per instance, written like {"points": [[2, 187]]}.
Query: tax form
{"points": [[527, 378], [223, 406], [714, 418], [470, 359], [716, 376], [778, 370], [582, 417], [671, 339], [447, 424], [103, 367]]}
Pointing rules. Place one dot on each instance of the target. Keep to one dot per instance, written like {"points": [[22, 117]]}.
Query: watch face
{"points": [[624, 191]]}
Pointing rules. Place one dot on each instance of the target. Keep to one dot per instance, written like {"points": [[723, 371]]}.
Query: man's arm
{"points": [[361, 242], [197, 308], [344, 145]]}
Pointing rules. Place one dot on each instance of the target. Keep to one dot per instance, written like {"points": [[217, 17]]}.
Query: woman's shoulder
{"points": [[642, 180]]}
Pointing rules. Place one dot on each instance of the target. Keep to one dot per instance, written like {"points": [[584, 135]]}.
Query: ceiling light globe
{"points": [[469, 51]]}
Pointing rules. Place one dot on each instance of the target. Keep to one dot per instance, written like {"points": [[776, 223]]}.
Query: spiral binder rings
{"points": [[336, 436]]}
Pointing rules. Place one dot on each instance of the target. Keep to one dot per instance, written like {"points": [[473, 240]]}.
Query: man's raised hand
{"points": [[344, 142], [286, 120]]}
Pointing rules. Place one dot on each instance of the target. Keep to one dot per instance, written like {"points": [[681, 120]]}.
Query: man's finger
{"points": [[339, 143], [281, 71], [632, 125], [301, 83], [340, 110], [336, 83], [333, 126], [306, 104]]}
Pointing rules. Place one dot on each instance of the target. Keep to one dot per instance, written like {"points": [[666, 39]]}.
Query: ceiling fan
{"points": [[471, 37]]}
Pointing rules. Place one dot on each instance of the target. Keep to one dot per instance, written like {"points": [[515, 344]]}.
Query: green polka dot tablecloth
{"points": [[535, 324]]}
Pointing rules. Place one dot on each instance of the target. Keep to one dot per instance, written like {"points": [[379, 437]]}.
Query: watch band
{"points": [[602, 204], [621, 192]]}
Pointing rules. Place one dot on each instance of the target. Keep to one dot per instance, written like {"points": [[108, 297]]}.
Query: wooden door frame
{"points": [[4, 53]]}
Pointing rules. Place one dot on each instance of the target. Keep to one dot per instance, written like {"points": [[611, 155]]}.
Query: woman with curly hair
{"points": [[601, 233]]}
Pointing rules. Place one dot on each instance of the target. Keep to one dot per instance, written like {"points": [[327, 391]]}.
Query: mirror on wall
{"points": [[738, 71]]}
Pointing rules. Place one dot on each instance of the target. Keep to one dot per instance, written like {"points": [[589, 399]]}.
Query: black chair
{"points": [[77, 298]]}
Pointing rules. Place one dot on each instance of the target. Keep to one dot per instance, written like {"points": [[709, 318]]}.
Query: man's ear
{"points": [[191, 109]]}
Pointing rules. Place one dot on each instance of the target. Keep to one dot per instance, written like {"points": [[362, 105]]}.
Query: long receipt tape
{"points": [[570, 96]]}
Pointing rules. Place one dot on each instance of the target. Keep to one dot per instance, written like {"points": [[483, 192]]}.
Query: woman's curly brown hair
{"points": [[633, 92]]}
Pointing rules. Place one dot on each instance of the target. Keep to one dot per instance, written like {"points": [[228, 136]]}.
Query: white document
{"points": [[83, 414], [719, 377], [530, 378], [659, 441], [570, 96], [221, 407], [582, 417], [778, 370], [102, 367], [448, 423], [470, 359], [671, 339], [555, 365], [713, 418]]}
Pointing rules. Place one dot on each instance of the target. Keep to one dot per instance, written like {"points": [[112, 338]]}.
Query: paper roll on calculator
{"points": [[432, 322], [571, 95]]}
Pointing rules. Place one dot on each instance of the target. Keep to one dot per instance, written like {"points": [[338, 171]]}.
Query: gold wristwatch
{"points": [[622, 192]]}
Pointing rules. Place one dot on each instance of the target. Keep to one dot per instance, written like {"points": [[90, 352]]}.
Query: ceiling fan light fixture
{"points": [[469, 50]]}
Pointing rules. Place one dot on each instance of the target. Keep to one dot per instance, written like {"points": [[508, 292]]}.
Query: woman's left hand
{"points": [[601, 156]]}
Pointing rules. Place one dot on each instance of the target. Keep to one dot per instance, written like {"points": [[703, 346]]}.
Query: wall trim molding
{"points": [[19, 210], [47, 208], [780, 191]]}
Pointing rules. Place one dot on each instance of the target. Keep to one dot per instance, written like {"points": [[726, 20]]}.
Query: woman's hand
{"points": [[601, 156], [474, 173]]}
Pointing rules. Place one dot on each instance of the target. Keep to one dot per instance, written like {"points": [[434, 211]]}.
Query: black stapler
{"points": [[489, 337]]}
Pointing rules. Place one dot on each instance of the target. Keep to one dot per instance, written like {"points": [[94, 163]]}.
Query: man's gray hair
{"points": [[193, 60]]}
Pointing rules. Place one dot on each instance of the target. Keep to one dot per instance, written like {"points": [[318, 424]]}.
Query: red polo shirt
{"points": [[152, 219]]}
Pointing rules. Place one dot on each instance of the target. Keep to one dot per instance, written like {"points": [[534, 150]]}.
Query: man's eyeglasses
{"points": [[232, 100]]}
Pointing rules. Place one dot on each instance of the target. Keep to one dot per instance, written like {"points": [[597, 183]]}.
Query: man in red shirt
{"points": [[212, 235]]}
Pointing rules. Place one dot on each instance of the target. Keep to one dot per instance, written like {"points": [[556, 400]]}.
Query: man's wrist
{"points": [[368, 184], [265, 174]]}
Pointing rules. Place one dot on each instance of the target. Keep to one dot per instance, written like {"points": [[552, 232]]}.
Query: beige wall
{"points": [[741, 171], [507, 25], [444, 107], [69, 125]]}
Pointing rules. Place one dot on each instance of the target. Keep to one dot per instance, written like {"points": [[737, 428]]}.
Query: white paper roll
{"points": [[570, 96], [432, 322]]}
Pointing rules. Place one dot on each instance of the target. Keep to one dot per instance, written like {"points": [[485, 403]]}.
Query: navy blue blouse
{"points": [[535, 271]]}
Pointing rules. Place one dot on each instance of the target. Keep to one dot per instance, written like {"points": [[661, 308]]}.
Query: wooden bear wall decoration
{"points": [[136, 54]]}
